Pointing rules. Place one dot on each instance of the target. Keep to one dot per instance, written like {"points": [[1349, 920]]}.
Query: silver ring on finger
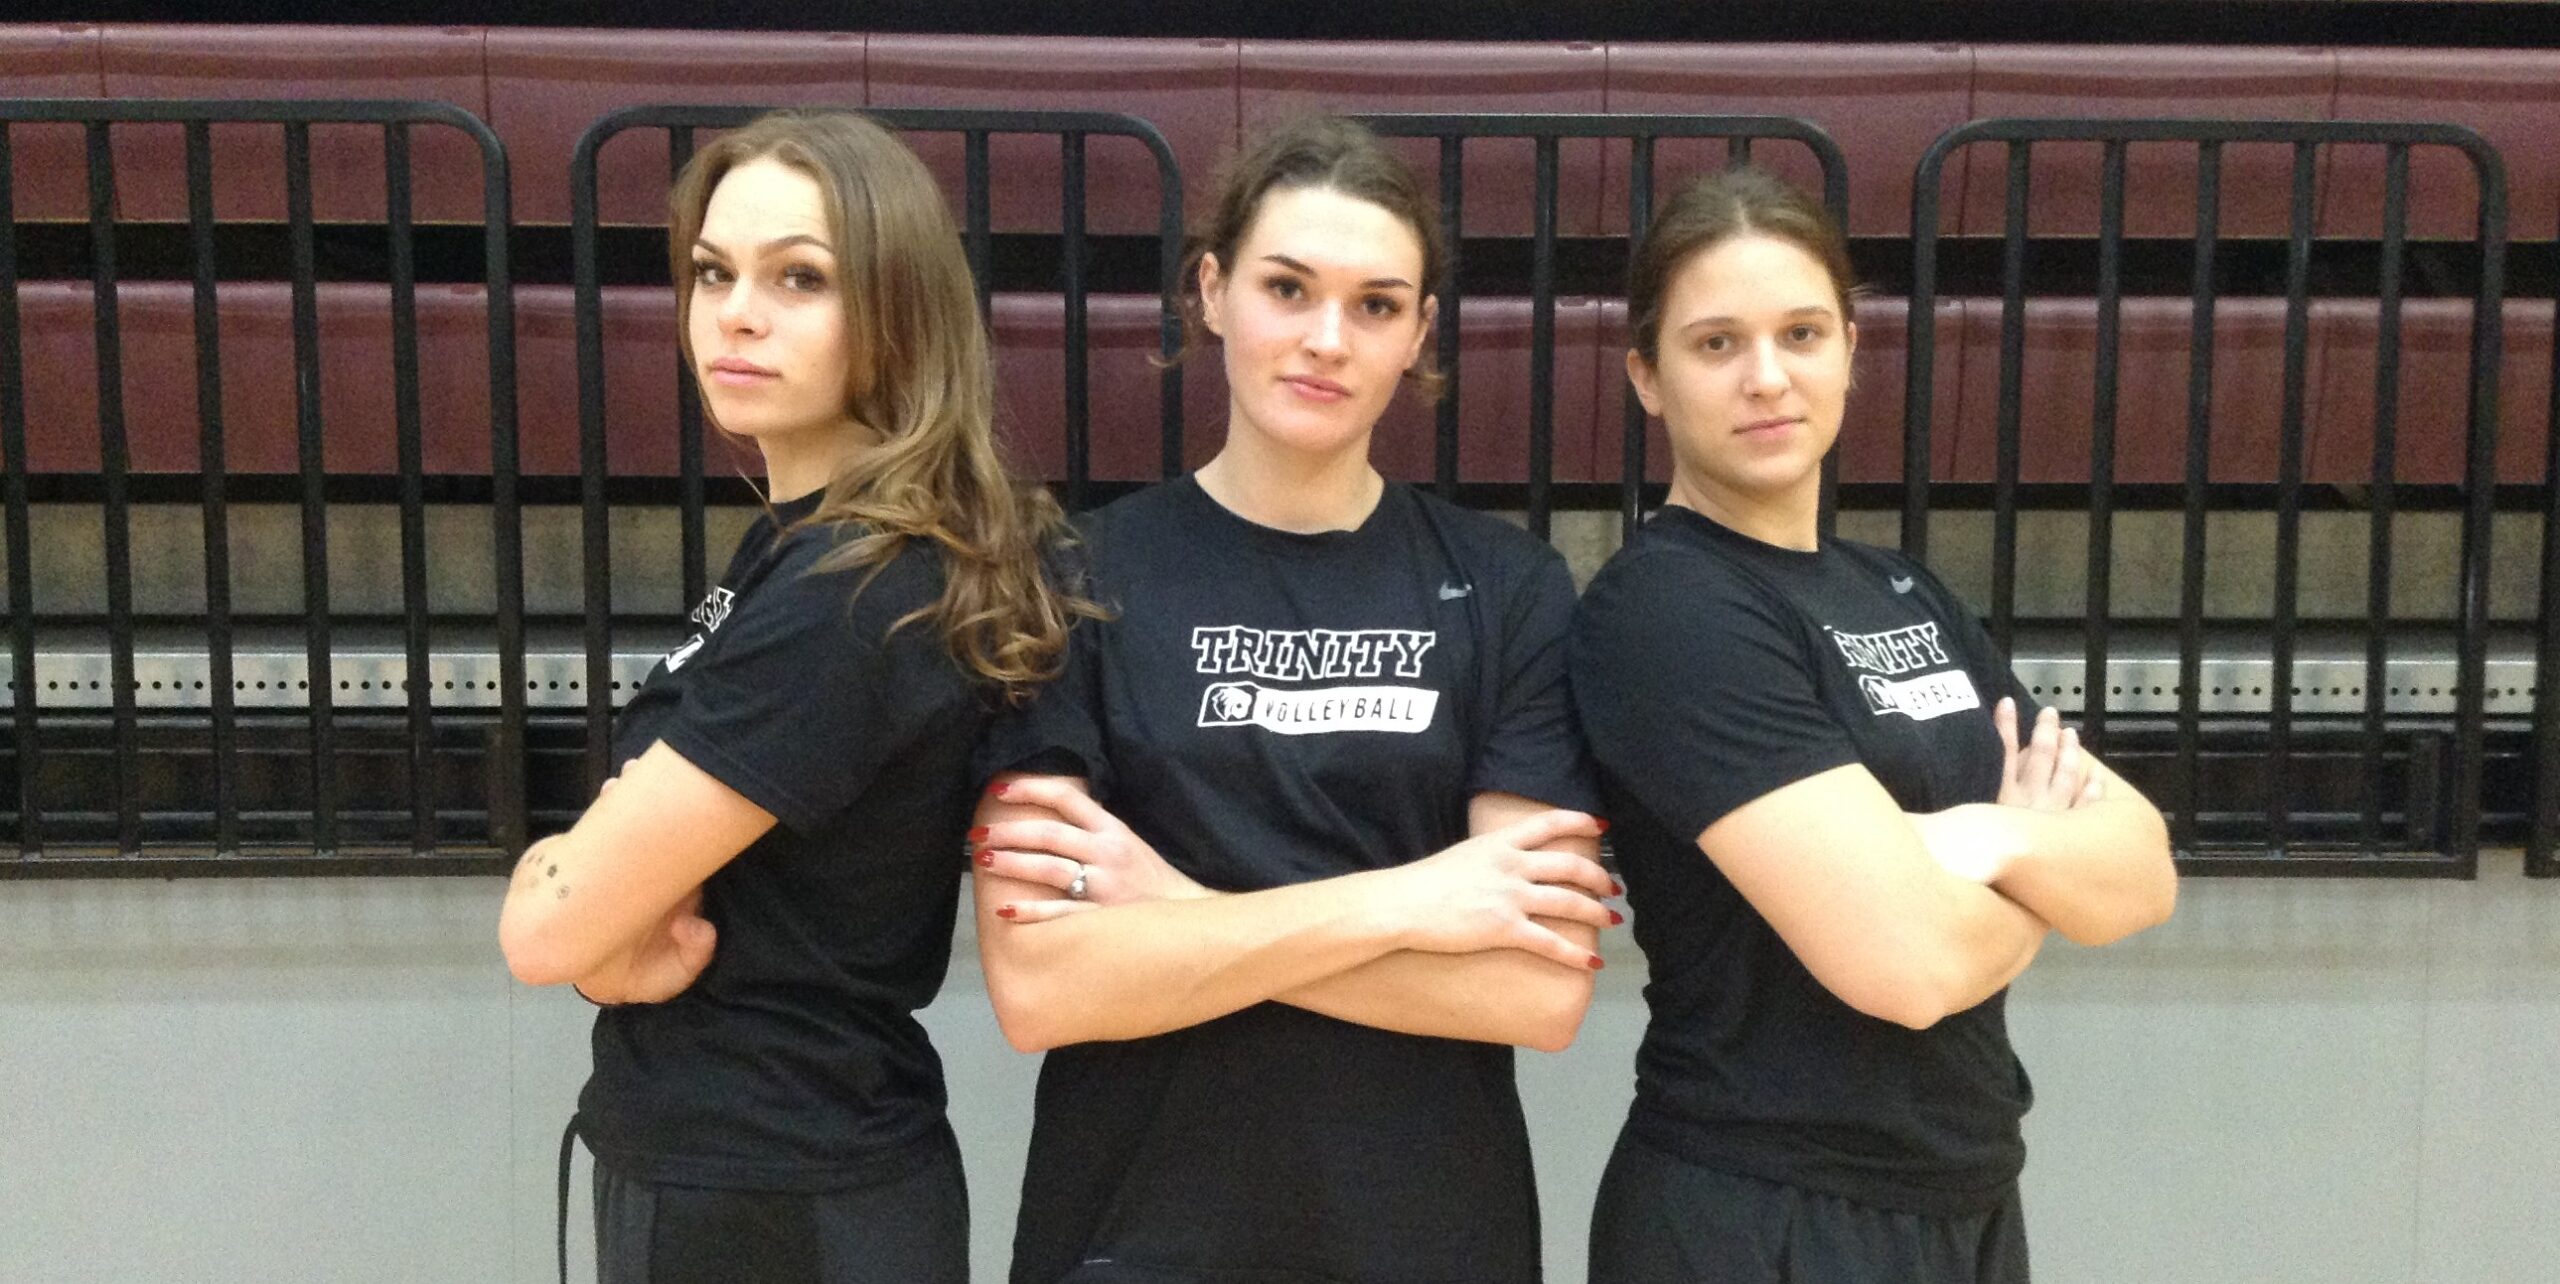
{"points": [[1075, 889]]}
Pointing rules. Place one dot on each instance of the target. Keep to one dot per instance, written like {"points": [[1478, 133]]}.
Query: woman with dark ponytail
{"points": [[1297, 848], [1837, 849]]}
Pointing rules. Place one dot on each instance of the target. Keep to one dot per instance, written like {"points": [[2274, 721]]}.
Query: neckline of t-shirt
{"points": [[1692, 519], [788, 511], [1292, 543]]}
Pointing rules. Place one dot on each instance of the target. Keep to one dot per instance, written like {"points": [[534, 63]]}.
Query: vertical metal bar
{"points": [[2202, 300], [2542, 839], [595, 531], [315, 500], [212, 462], [1920, 370], [2099, 610], [1542, 345], [2297, 365], [23, 743], [695, 544], [423, 790], [980, 219], [2013, 360], [1453, 189], [1632, 425], [1071, 268], [2480, 475], [507, 820], [2386, 467], [1737, 150], [1169, 288], [114, 466]]}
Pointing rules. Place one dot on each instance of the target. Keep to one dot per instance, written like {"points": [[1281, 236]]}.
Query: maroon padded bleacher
{"points": [[1493, 398], [2058, 387], [1185, 88], [48, 166], [2160, 179], [1870, 446], [2512, 96], [1122, 337], [441, 64], [547, 86], [157, 319], [1884, 104], [2435, 391], [1281, 78]]}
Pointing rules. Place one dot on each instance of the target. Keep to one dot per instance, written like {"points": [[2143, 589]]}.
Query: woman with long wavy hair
{"points": [[763, 896]]}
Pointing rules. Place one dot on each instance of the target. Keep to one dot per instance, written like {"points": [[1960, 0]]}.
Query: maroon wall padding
{"points": [[1870, 443], [440, 64], [2059, 389], [2511, 96], [258, 405], [547, 87], [1186, 88], [1884, 104], [1123, 394], [2137, 80], [1282, 78], [48, 162], [2435, 391]]}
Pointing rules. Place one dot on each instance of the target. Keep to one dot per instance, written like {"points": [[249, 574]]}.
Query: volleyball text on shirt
{"points": [[1313, 655]]}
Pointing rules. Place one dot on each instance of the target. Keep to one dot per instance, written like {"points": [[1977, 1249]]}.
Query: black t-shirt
{"points": [[1710, 669], [1272, 708], [795, 1061]]}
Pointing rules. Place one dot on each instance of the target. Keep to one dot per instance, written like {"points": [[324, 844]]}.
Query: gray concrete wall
{"points": [[334, 1080]]}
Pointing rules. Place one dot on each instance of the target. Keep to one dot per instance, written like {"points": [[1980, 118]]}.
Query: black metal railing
{"points": [[975, 127], [1546, 133], [400, 825], [2436, 829], [2542, 833]]}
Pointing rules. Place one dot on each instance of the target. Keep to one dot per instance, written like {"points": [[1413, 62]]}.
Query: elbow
{"points": [[1553, 1018], [2138, 913], [536, 956], [1914, 997], [1025, 1010]]}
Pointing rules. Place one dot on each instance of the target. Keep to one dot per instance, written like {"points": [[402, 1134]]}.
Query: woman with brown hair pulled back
{"points": [[764, 894], [1282, 866], [1838, 851]]}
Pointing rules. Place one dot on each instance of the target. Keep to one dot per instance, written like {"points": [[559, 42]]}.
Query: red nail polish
{"points": [[1006, 911], [1604, 825], [978, 834], [986, 857], [1616, 918], [1617, 888], [999, 788], [1595, 962]]}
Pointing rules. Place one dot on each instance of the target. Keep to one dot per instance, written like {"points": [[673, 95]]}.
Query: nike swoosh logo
{"points": [[1452, 592]]}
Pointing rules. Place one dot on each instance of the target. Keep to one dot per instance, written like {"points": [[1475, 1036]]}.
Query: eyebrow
{"points": [[777, 243], [1373, 283], [1810, 310]]}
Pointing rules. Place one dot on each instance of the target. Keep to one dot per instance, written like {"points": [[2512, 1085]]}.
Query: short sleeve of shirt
{"points": [[1533, 747], [1691, 683], [1058, 730], [802, 692]]}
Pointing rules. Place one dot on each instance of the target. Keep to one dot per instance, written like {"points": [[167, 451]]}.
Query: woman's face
{"points": [[1321, 314], [1752, 371], [767, 326]]}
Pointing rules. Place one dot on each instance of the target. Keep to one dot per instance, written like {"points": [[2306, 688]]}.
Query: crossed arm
{"points": [[1911, 918], [613, 904], [1491, 939]]}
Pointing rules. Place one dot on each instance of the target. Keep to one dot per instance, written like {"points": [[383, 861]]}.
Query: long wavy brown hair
{"points": [[921, 379]]}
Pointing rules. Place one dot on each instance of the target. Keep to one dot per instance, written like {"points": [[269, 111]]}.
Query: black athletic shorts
{"points": [[1664, 1220], [912, 1228]]}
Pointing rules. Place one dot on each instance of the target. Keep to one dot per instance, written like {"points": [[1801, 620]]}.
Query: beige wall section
{"points": [[334, 1080]]}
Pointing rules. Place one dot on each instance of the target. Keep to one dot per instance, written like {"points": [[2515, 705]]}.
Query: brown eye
{"points": [[706, 272]]}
